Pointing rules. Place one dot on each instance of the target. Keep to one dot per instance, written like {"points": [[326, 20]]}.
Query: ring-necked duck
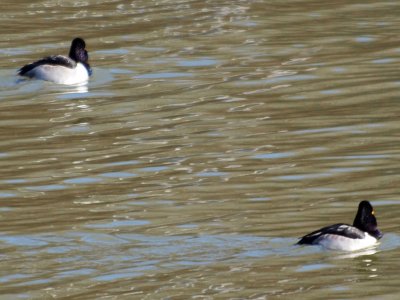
{"points": [[364, 232], [74, 69]]}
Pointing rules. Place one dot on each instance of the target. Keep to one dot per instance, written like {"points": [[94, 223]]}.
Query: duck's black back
{"points": [[55, 60], [337, 229]]}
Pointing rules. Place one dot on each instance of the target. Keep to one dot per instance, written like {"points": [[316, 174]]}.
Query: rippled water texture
{"points": [[211, 136]]}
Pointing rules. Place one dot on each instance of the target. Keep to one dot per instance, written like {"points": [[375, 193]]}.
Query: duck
{"points": [[69, 70], [362, 234]]}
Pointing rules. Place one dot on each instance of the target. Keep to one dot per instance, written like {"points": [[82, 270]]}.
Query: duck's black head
{"points": [[365, 220], [79, 54]]}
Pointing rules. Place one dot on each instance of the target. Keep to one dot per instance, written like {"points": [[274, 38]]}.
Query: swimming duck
{"points": [[364, 232], [71, 69]]}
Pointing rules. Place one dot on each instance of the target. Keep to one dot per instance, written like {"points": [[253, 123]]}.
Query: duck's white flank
{"points": [[60, 74], [339, 242]]}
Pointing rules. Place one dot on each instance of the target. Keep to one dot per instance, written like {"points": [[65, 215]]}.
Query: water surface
{"points": [[211, 135]]}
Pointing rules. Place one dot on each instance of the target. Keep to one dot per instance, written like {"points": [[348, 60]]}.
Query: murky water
{"points": [[211, 136]]}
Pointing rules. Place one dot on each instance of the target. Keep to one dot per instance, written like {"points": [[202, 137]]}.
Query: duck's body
{"points": [[362, 234], [72, 69]]}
